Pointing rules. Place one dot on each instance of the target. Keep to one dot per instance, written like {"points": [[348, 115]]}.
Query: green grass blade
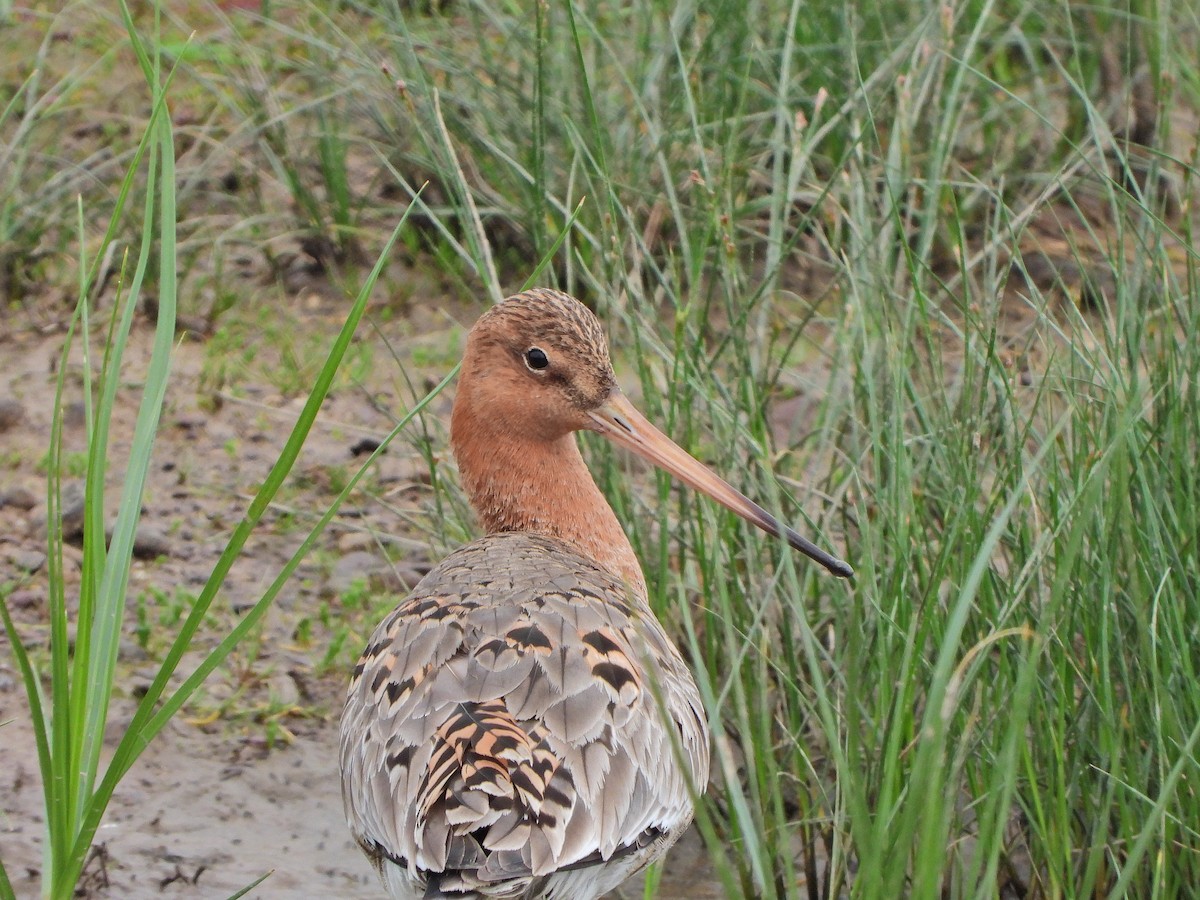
{"points": [[51, 788], [251, 886], [150, 716], [109, 570]]}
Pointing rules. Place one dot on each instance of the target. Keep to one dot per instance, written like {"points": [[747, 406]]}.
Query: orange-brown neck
{"points": [[517, 482]]}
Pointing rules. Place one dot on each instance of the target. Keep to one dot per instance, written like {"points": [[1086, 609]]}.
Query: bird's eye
{"points": [[536, 359]]}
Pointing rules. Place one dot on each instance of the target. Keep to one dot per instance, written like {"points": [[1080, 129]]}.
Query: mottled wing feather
{"points": [[502, 724]]}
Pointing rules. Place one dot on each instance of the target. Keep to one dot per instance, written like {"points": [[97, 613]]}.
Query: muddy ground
{"points": [[245, 782]]}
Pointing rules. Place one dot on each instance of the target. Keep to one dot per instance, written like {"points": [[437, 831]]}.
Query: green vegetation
{"points": [[925, 274], [71, 712]]}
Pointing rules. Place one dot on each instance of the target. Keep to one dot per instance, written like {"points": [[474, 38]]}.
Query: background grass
{"points": [[925, 275]]}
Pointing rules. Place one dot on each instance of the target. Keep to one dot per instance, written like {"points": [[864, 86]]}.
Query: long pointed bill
{"points": [[620, 422]]}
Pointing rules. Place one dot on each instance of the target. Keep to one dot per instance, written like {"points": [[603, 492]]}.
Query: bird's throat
{"points": [[541, 487]]}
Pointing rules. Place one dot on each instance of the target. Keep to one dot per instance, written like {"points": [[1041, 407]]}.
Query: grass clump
{"points": [[854, 214]]}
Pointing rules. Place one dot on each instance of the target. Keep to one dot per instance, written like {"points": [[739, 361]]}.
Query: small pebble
{"points": [[18, 498], [11, 412], [29, 560], [75, 414], [150, 543]]}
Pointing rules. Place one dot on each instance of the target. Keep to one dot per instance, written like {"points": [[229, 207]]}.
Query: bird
{"points": [[521, 725]]}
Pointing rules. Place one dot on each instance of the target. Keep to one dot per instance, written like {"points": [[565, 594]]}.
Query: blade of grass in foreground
{"points": [[101, 616], [151, 716], [69, 724]]}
